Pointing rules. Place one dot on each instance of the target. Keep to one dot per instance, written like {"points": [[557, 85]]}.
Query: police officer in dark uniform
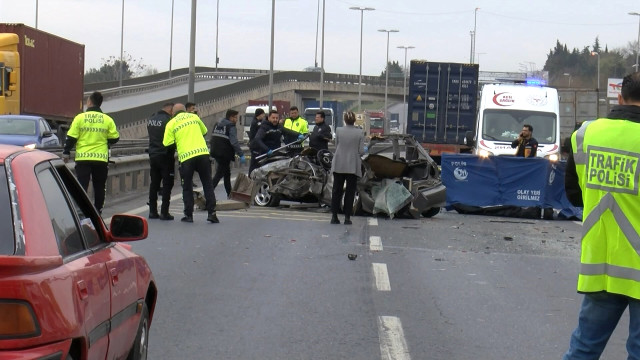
{"points": [[258, 116], [224, 148], [321, 134], [268, 138], [162, 163]]}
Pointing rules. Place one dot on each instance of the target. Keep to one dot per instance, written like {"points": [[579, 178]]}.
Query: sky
{"points": [[511, 35]]}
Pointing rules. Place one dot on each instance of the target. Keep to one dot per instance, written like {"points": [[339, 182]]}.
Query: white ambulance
{"points": [[505, 108]]}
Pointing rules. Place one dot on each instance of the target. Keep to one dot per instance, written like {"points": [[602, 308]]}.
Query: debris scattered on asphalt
{"points": [[352, 256], [267, 236], [508, 238]]}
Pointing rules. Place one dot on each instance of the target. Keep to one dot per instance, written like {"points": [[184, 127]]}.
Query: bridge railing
{"points": [[133, 115]]}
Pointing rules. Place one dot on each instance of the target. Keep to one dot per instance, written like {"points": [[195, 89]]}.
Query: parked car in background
{"points": [[70, 287], [28, 131]]}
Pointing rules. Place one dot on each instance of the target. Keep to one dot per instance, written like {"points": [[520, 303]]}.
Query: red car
{"points": [[69, 289]]}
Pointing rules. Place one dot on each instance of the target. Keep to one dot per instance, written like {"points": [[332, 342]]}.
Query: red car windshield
{"points": [[7, 241]]}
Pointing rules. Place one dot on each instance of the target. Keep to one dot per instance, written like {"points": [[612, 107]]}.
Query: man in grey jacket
{"points": [[346, 166], [224, 148]]}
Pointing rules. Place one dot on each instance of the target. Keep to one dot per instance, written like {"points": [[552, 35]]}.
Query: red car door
{"points": [[90, 279], [125, 314]]}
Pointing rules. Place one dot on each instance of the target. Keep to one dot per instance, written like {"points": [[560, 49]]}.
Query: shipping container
{"points": [[442, 104], [51, 73], [281, 105]]}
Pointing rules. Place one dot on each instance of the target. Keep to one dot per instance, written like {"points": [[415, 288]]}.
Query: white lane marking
{"points": [[373, 221], [382, 277], [375, 243], [393, 346]]}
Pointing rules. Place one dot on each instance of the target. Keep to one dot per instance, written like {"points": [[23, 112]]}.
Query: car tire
{"points": [[264, 198], [431, 212], [141, 343]]}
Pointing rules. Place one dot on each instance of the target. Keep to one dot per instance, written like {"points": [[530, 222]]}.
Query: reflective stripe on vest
{"points": [[609, 179]]}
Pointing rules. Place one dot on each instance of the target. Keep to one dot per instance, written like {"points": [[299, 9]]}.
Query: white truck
{"points": [[249, 114], [505, 108]]}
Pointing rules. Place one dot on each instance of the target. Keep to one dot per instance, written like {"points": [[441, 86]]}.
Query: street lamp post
{"points": [[362, 9], [37, 15], [171, 39], [122, 44], [273, 19], [404, 88], [322, 60], [597, 84], [192, 55], [217, 19], [638, 44], [386, 82]]}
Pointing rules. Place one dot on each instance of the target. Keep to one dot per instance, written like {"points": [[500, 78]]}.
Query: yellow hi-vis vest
{"points": [[187, 131], [92, 129], [298, 125], [607, 157]]}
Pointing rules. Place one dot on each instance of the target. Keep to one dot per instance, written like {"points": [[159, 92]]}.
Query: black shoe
{"points": [[334, 219], [187, 218], [166, 216], [154, 215], [347, 221], [212, 218]]}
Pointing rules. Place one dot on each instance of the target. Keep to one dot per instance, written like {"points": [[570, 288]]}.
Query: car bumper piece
{"points": [[54, 351]]}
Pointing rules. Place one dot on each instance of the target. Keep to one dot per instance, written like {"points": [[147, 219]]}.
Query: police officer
{"points": [[224, 148], [187, 132], [161, 162], [268, 137], [602, 174], [294, 128], [321, 134], [92, 132], [258, 116]]}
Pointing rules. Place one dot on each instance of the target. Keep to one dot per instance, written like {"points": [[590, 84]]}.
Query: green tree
{"points": [[395, 71], [110, 69]]}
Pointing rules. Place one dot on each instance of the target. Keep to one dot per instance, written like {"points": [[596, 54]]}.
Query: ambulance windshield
{"points": [[505, 125]]}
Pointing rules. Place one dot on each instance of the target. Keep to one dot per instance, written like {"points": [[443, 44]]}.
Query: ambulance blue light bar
{"points": [[539, 82]]}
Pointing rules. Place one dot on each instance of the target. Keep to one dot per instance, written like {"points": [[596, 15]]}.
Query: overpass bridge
{"points": [[217, 91]]}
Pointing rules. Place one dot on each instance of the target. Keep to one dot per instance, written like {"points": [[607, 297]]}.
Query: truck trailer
{"points": [[42, 74], [442, 105]]}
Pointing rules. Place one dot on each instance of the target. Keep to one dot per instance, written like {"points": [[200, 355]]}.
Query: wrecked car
{"points": [[399, 178]]}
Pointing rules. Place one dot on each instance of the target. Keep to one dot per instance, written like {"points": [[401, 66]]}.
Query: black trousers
{"points": [[201, 165], [349, 192], [96, 172], [223, 171], [253, 164], [162, 170]]}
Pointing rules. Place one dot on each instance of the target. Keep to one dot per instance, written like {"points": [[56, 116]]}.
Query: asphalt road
{"points": [[277, 284]]}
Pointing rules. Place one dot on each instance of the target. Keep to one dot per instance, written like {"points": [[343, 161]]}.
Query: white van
{"points": [[249, 114], [505, 108]]}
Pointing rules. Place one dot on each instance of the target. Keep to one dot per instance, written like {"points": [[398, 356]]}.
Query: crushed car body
{"points": [[398, 178]]}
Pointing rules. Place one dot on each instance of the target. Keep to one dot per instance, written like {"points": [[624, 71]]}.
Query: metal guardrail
{"points": [[177, 80], [202, 98], [88, 88]]}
